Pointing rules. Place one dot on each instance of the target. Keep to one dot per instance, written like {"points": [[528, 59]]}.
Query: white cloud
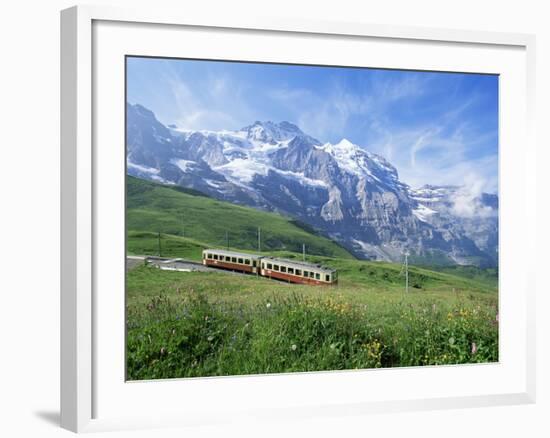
{"points": [[466, 201]]}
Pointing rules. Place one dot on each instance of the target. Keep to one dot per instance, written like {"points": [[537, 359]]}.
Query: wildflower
{"points": [[451, 340], [268, 305], [474, 348], [162, 351], [210, 338], [293, 347]]}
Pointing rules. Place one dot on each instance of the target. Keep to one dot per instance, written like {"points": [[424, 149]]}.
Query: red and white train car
{"points": [[297, 272], [235, 261]]}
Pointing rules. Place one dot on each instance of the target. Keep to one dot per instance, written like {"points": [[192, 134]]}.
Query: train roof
{"points": [[300, 265], [226, 252]]}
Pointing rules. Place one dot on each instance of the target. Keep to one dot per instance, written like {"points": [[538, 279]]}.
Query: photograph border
{"points": [[77, 195]]}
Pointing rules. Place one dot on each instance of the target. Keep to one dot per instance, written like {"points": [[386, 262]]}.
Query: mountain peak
{"points": [[140, 110], [268, 124], [271, 132], [345, 144]]}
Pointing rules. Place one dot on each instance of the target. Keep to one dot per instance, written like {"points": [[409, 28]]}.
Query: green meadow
{"points": [[193, 324]]}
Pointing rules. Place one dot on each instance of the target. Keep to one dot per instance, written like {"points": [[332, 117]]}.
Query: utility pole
{"points": [[259, 239], [406, 272], [182, 225], [160, 253], [304, 252]]}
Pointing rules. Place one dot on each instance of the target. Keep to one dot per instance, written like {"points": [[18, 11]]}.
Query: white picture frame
{"points": [[86, 315]]}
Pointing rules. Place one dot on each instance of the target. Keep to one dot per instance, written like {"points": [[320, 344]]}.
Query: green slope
{"points": [[245, 324], [189, 221]]}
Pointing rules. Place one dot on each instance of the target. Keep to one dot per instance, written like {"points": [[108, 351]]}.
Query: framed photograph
{"points": [[288, 218]]}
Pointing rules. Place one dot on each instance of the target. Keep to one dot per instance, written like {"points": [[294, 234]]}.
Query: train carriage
{"points": [[235, 261], [297, 272]]}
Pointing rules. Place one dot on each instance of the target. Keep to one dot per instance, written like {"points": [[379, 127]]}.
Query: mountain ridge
{"points": [[352, 195]]}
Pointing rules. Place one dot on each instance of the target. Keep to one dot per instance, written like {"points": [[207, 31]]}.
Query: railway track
{"points": [[173, 264]]}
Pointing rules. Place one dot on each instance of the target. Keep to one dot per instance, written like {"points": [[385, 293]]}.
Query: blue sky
{"points": [[436, 128]]}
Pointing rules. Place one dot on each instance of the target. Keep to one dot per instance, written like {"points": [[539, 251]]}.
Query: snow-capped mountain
{"points": [[346, 192]]}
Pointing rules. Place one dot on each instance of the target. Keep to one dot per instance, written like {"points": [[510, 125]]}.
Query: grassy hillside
{"points": [[189, 324], [191, 221], [488, 276]]}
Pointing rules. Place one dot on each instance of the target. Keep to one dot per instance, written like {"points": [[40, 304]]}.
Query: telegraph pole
{"points": [[406, 272], [182, 225], [259, 239], [304, 252]]}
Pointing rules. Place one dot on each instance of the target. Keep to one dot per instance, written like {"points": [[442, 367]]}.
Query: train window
{"points": [[269, 266], [234, 259], [291, 270], [298, 272], [306, 273], [246, 262], [327, 277], [317, 276], [311, 274], [241, 261], [283, 268], [275, 267], [227, 258], [254, 263]]}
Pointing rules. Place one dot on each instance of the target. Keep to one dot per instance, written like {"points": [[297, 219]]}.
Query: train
{"points": [[271, 267]]}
